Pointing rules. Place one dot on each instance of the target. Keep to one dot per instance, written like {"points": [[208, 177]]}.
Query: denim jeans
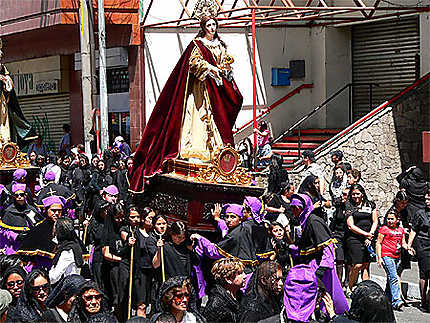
{"points": [[393, 284]]}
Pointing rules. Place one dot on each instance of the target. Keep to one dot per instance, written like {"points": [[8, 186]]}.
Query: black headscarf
{"points": [[66, 288], [172, 282], [78, 313], [13, 270], [27, 308], [370, 304]]}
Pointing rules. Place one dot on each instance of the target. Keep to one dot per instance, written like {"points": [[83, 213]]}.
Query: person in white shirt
{"points": [[68, 258]]}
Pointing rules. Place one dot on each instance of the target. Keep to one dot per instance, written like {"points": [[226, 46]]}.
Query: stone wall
{"points": [[386, 143], [372, 148]]}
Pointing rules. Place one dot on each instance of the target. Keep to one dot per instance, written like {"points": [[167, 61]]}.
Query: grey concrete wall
{"points": [[371, 148]]}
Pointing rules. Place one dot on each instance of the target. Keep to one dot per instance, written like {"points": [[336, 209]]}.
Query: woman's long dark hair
{"points": [[308, 186], [202, 31], [68, 240]]}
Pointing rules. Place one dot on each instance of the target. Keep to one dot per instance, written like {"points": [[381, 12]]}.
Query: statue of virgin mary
{"points": [[196, 110], [13, 125]]}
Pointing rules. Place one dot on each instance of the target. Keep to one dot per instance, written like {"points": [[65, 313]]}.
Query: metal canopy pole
{"points": [[254, 84], [86, 72], [102, 72]]}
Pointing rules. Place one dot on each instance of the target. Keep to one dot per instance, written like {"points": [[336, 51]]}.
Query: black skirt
{"points": [[423, 254], [356, 251]]}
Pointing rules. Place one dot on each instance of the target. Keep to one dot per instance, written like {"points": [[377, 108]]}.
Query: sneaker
{"points": [[399, 306]]}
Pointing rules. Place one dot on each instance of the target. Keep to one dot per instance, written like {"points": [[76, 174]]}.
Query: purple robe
{"points": [[316, 249]]}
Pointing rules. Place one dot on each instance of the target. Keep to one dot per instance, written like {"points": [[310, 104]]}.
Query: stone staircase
{"points": [[309, 139]]}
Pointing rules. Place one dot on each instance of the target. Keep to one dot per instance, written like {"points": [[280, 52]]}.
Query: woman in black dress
{"points": [[179, 257], [362, 222], [144, 278], [111, 250], [420, 237], [337, 227]]}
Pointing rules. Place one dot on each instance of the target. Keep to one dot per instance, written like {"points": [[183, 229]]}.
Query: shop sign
{"points": [[36, 76]]}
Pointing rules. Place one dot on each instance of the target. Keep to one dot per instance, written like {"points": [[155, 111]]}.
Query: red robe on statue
{"points": [[160, 140]]}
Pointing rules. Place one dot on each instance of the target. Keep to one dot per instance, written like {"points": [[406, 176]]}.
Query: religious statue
{"points": [[197, 108], [13, 125]]}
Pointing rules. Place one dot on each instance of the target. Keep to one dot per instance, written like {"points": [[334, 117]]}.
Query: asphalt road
{"points": [[411, 313]]}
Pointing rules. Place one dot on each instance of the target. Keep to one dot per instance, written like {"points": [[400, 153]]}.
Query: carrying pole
{"points": [[130, 287]]}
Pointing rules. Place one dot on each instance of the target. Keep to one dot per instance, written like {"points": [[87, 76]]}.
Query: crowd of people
{"points": [[76, 248]]}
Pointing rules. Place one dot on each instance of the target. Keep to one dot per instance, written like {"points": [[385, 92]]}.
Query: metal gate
{"points": [[47, 113], [384, 53]]}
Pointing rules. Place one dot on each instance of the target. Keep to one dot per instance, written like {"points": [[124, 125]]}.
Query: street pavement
{"points": [[410, 313]]}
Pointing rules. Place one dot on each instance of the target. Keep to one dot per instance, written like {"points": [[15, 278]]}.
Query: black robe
{"points": [[221, 306], [21, 216], [240, 242], [54, 189]]}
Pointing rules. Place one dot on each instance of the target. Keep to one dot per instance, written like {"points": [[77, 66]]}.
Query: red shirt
{"points": [[392, 242]]}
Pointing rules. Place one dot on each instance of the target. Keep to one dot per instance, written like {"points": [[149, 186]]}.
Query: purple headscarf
{"points": [[304, 202], [257, 208], [47, 202], [111, 189], [19, 174], [235, 209], [18, 187], [300, 293], [50, 176]]}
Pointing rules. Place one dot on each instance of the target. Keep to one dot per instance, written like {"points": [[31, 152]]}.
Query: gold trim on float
{"points": [[215, 174], [18, 160]]}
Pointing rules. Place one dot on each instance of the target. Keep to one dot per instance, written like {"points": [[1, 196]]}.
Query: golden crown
{"points": [[205, 8]]}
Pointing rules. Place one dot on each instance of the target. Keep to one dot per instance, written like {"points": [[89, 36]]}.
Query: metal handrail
{"points": [[328, 100], [275, 104]]}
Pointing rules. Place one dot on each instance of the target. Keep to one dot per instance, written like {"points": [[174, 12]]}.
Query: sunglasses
{"points": [[17, 283], [19, 194], [182, 295], [89, 298], [38, 289], [56, 210]]}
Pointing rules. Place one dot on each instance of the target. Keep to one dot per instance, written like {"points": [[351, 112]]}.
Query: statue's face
{"points": [[210, 27]]}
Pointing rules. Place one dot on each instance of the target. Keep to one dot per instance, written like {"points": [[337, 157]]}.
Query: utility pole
{"points": [[102, 76], [86, 72]]}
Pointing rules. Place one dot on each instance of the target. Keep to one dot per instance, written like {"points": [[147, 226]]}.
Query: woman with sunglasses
{"points": [[177, 297], [31, 301], [13, 282], [17, 220]]}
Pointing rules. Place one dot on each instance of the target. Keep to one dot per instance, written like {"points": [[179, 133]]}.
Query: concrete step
{"points": [[316, 131], [291, 145], [306, 138]]}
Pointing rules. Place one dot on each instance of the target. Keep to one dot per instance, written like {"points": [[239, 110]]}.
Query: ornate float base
{"points": [[11, 158], [188, 191]]}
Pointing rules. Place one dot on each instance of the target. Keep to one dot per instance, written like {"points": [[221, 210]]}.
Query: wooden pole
{"points": [[163, 274], [130, 287], [254, 87]]}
